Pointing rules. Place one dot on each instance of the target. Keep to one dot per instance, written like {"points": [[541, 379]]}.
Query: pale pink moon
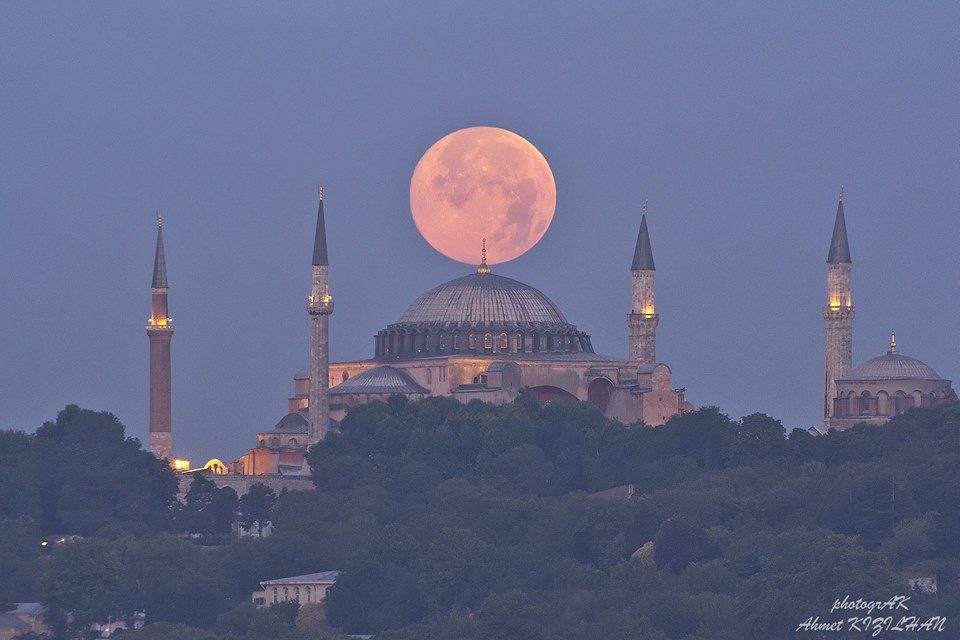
{"points": [[482, 182]]}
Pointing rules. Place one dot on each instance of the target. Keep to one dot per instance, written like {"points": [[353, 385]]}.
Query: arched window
{"points": [[518, 345], [296, 594], [443, 341], [293, 442], [276, 596], [504, 344], [344, 376], [472, 341], [865, 403], [488, 341], [286, 594], [456, 341], [429, 375], [309, 595], [274, 441]]}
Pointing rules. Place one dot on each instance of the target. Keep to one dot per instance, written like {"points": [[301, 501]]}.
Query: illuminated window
{"points": [[488, 341], [504, 345]]}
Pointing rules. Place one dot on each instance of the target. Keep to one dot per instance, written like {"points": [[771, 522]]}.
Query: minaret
{"points": [[643, 319], [160, 332], [319, 306], [838, 314]]}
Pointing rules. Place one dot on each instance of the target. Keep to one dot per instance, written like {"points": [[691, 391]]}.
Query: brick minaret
{"points": [[319, 306], [159, 331], [838, 313], [643, 319]]}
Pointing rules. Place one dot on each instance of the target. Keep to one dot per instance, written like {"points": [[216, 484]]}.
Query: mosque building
{"points": [[480, 336], [881, 387], [485, 336]]}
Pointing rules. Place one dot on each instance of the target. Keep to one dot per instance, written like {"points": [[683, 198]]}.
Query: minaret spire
{"points": [[643, 318], [320, 237], [839, 247], [643, 253], [319, 306], [160, 333], [159, 260], [838, 313]]}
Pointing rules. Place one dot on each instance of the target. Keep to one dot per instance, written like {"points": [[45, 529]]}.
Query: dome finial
{"points": [[483, 268], [893, 342]]}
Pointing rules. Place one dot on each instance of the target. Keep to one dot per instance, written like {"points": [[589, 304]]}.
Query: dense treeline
{"points": [[475, 522]]}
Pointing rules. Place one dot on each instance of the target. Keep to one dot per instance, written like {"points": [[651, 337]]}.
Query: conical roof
{"points": [[839, 248], [320, 238], [643, 254], [159, 261]]}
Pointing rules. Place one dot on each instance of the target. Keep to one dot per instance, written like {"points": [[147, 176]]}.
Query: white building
{"points": [[305, 589]]}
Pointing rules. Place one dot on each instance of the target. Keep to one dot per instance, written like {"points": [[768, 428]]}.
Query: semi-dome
{"points": [[481, 313], [892, 366]]}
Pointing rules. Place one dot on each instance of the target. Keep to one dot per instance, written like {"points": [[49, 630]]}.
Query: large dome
{"points": [[481, 313], [483, 298], [892, 366]]}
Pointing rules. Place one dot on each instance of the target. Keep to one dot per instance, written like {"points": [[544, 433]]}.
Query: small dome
{"points": [[483, 298], [892, 366]]}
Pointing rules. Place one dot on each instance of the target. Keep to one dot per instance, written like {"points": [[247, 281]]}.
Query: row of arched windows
{"points": [[399, 342], [308, 594], [853, 404]]}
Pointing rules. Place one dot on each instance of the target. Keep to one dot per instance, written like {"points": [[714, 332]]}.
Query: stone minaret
{"points": [[643, 318], [160, 332], [319, 306], [838, 314]]}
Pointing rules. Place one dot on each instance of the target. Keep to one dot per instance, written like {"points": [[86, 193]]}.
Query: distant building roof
{"points": [[323, 577], [290, 423], [10, 621], [382, 379], [28, 609]]}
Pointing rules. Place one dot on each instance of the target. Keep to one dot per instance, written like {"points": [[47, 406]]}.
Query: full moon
{"points": [[482, 183]]}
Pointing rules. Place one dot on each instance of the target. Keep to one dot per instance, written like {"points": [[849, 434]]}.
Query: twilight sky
{"points": [[738, 123]]}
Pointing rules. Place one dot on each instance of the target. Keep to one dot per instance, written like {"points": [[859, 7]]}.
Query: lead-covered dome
{"points": [[481, 313], [893, 366], [483, 298]]}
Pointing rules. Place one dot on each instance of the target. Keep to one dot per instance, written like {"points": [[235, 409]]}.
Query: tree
{"points": [[209, 511], [90, 476], [678, 543], [256, 506]]}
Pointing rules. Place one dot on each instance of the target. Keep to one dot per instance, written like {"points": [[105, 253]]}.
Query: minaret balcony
{"points": [[322, 306], [165, 324]]}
